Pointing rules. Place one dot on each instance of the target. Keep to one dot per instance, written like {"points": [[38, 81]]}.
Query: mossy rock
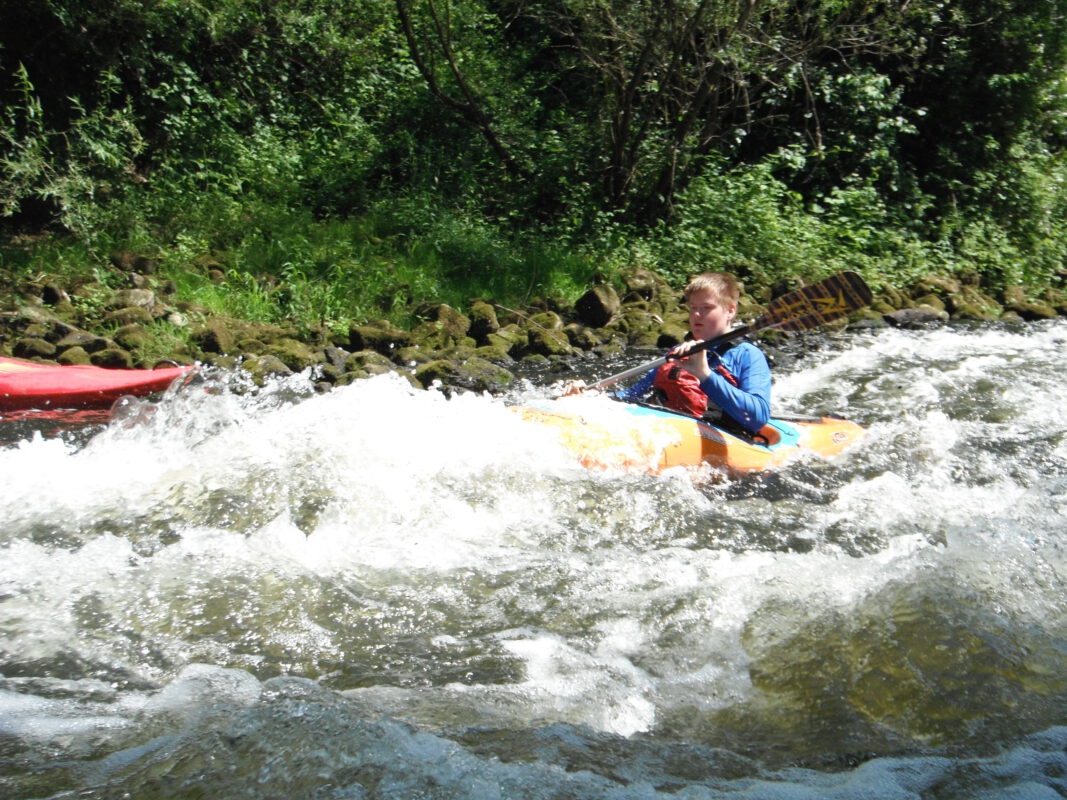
{"points": [[480, 375], [483, 321], [879, 305], [364, 359], [411, 355], [747, 309], [437, 335], [262, 367], [215, 336], [34, 347], [891, 299], [331, 372], [916, 318], [549, 342], [380, 369], [89, 342], [1015, 299], [938, 285], [141, 298], [336, 356], [74, 356], [866, 319], [545, 321], [671, 333], [112, 358], [351, 377], [496, 353], [644, 283], [437, 370], [645, 338], [930, 301], [451, 323], [597, 306], [511, 337], [130, 315], [381, 336], [636, 324], [971, 304], [1057, 298], [250, 344], [613, 347], [132, 337], [373, 370], [581, 336], [665, 341], [294, 354]]}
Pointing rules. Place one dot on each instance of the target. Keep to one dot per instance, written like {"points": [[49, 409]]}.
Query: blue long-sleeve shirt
{"points": [[749, 403]]}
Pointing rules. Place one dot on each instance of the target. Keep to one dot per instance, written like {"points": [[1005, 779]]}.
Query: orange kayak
{"points": [[29, 385], [638, 438]]}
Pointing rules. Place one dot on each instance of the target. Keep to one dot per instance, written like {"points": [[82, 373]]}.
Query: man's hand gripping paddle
{"points": [[800, 310]]}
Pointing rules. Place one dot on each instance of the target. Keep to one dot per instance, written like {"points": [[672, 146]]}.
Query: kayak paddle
{"points": [[800, 310]]}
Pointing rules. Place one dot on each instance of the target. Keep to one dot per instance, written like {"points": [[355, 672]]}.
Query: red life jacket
{"points": [[680, 390]]}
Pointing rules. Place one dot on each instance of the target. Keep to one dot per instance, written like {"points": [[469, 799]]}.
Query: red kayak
{"points": [[27, 384]]}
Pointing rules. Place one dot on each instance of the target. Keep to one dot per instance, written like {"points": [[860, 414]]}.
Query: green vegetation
{"points": [[324, 161]]}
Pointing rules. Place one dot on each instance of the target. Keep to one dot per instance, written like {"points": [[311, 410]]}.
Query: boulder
{"points": [[437, 370], [645, 284], [479, 375], [215, 336], [597, 306], [33, 347], [1057, 298], [87, 341], [74, 355], [498, 354], [971, 304], [915, 318], [130, 315], [548, 342], [113, 357], [381, 336], [365, 358], [938, 285], [441, 322], [142, 298], [581, 337], [55, 295], [294, 354], [483, 321], [1015, 299], [512, 338], [265, 366], [132, 337]]}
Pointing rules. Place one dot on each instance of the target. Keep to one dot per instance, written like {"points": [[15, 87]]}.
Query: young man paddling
{"points": [[733, 378]]}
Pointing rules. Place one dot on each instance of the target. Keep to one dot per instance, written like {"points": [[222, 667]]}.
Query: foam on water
{"points": [[440, 561]]}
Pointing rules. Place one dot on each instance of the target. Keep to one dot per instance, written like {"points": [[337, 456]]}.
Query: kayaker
{"points": [[732, 380]]}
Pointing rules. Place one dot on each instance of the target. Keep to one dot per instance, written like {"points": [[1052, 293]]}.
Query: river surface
{"points": [[379, 592]]}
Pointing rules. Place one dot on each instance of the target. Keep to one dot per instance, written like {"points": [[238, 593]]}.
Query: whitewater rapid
{"points": [[389, 592]]}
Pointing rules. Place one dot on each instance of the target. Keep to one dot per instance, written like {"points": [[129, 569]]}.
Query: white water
{"points": [[383, 592]]}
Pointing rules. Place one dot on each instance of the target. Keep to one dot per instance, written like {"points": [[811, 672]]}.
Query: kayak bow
{"points": [[31, 385]]}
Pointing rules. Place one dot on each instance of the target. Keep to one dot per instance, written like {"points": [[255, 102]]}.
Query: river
{"points": [[381, 593]]}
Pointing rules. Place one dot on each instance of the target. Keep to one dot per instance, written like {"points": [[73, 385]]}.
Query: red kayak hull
{"points": [[29, 385]]}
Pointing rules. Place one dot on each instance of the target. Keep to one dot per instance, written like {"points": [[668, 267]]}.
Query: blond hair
{"points": [[721, 284]]}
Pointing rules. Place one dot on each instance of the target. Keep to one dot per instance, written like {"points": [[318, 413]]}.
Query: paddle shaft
{"points": [[737, 333], [802, 309]]}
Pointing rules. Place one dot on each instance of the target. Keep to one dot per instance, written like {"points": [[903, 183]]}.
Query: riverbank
{"points": [[480, 347]]}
